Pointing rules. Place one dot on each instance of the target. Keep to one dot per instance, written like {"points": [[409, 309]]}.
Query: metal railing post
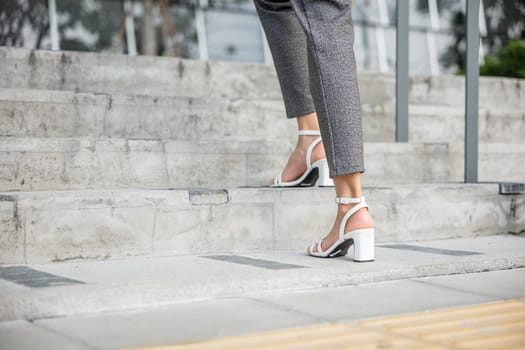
{"points": [[402, 61], [130, 28], [200, 23], [472, 92], [53, 25]]}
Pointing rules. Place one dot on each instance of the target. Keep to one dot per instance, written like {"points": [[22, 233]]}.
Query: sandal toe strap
{"points": [[320, 247], [278, 179]]}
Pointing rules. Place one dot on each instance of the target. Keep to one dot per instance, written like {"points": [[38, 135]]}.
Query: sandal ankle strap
{"points": [[349, 200], [360, 205], [310, 150], [309, 133]]}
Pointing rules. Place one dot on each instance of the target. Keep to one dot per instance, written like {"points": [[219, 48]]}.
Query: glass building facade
{"points": [[230, 30]]}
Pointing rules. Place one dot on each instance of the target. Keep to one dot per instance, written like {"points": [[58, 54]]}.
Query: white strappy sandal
{"points": [[362, 239], [315, 173]]}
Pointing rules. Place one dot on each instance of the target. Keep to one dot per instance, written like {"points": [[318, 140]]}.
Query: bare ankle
{"points": [[360, 219]]}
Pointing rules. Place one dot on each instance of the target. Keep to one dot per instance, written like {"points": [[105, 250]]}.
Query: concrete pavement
{"points": [[194, 321], [140, 302], [40, 291]]}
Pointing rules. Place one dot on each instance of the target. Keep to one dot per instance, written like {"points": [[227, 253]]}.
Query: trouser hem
{"points": [[300, 113], [346, 171]]}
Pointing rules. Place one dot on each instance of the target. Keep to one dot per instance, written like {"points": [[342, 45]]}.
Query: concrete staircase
{"points": [[110, 156]]}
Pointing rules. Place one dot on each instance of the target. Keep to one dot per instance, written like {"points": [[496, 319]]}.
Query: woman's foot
{"points": [[296, 165], [347, 186], [360, 220]]}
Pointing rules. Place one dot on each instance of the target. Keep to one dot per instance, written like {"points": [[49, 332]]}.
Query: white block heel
{"points": [[363, 244], [324, 178], [315, 173], [361, 239]]}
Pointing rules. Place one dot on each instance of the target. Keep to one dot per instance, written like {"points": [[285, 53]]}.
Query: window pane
{"points": [[365, 11], [419, 15], [186, 37], [89, 25], [391, 7], [165, 31], [448, 11], [365, 48], [419, 58], [233, 4], [390, 38], [234, 36], [446, 53]]}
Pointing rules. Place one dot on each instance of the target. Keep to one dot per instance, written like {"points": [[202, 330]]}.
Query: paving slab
{"points": [[496, 325], [23, 335], [505, 284], [371, 300], [141, 282], [182, 323], [268, 311]]}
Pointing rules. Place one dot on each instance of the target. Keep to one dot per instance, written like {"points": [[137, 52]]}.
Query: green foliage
{"points": [[504, 21], [508, 61]]}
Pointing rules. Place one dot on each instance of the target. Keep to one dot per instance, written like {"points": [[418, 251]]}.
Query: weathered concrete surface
{"points": [[12, 238], [208, 319], [187, 98], [503, 94], [78, 163], [24, 335], [99, 224], [109, 73], [44, 113], [204, 125], [198, 321], [138, 283], [436, 123]]}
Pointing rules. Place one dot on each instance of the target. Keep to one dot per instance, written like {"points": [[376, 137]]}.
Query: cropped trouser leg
{"points": [[312, 47]]}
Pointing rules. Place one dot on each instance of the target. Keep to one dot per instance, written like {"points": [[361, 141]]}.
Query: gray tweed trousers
{"points": [[311, 42]]}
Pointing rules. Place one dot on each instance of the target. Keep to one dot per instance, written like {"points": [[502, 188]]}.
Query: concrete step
{"points": [[91, 163], [109, 73], [46, 113], [52, 226], [265, 280], [435, 123]]}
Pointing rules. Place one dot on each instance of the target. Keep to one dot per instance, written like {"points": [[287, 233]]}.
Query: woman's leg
{"points": [[333, 83], [287, 42], [333, 80], [328, 32]]}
